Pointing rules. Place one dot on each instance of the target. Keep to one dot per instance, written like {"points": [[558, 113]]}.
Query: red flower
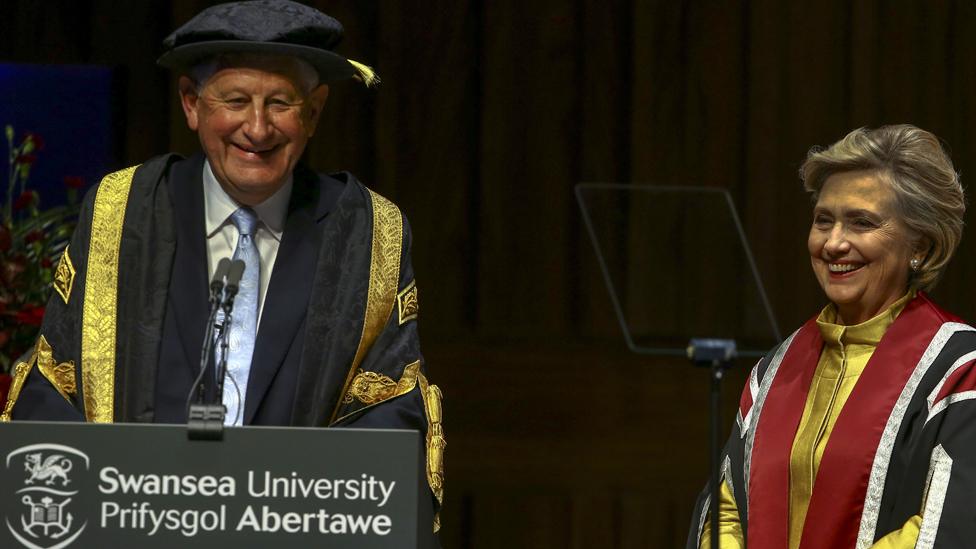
{"points": [[5, 240], [4, 388], [33, 236], [11, 268], [31, 315], [37, 139], [25, 199], [74, 181], [28, 159]]}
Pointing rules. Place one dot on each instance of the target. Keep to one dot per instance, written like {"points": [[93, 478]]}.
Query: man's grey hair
{"points": [[929, 199], [202, 72]]}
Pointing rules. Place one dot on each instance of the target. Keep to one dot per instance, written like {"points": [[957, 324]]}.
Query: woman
{"points": [[859, 430]]}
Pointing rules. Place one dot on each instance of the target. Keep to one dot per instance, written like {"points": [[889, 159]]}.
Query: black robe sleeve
{"points": [[390, 389]]}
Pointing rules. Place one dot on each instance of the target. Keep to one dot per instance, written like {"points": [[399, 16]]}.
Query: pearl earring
{"points": [[914, 263]]}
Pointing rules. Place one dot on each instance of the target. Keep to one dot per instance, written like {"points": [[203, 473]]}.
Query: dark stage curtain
{"points": [[489, 113]]}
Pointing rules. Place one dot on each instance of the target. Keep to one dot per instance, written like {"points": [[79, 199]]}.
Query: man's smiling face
{"points": [[253, 122]]}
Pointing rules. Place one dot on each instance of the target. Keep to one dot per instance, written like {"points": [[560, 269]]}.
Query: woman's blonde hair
{"points": [[929, 199]]}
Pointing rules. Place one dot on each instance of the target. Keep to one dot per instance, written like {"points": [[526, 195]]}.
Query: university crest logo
{"points": [[46, 520]]}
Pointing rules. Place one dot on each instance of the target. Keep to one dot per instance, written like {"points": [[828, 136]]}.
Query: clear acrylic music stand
{"points": [[682, 281]]}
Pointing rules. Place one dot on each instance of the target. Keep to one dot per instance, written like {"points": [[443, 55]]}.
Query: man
{"points": [[324, 325]]}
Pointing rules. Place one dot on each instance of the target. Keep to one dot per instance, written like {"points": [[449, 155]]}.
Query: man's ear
{"points": [[188, 99], [314, 105]]}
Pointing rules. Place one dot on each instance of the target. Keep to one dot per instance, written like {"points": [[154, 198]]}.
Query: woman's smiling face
{"points": [[859, 248]]}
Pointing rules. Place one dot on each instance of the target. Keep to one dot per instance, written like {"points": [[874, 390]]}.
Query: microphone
{"points": [[234, 275], [217, 284]]}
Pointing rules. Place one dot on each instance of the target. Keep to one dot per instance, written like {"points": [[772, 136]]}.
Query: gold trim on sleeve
{"points": [[61, 376], [64, 276], [369, 388], [372, 388], [435, 442], [408, 304], [16, 384], [384, 273], [98, 326]]}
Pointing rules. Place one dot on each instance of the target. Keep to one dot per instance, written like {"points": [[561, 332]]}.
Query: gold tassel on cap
{"points": [[366, 74]]}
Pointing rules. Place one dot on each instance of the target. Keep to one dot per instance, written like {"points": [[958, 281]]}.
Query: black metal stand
{"points": [[717, 355]]}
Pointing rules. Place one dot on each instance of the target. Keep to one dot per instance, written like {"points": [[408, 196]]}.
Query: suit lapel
{"points": [[188, 284], [291, 281]]}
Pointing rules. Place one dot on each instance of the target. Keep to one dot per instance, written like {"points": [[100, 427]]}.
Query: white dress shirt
{"points": [[222, 234]]}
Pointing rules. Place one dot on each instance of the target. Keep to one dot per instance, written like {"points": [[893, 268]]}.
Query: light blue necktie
{"points": [[244, 326]]}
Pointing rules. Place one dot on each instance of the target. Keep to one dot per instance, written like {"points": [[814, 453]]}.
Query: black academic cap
{"points": [[279, 27]]}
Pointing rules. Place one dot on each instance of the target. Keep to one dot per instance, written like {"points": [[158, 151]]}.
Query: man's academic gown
{"points": [[904, 444], [337, 344]]}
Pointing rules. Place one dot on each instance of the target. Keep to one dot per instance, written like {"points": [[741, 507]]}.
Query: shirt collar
{"points": [[219, 206], [868, 332]]}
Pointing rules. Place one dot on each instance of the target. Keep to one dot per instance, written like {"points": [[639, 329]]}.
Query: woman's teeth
{"points": [[842, 267]]}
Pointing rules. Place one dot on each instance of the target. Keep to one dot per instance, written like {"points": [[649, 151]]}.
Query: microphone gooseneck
{"points": [[217, 286]]}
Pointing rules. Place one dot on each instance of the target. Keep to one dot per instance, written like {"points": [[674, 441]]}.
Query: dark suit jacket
{"points": [[271, 387]]}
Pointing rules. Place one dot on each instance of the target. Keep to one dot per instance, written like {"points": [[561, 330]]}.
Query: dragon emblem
{"points": [[55, 467]]}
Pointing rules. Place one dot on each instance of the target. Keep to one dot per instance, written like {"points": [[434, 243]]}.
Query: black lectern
{"points": [[87, 485]]}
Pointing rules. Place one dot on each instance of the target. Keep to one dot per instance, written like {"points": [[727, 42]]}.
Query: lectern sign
{"points": [[141, 486]]}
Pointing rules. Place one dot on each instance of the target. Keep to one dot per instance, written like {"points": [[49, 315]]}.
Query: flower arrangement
{"points": [[31, 242]]}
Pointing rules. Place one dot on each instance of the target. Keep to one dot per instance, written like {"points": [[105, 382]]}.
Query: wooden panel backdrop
{"points": [[489, 113]]}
